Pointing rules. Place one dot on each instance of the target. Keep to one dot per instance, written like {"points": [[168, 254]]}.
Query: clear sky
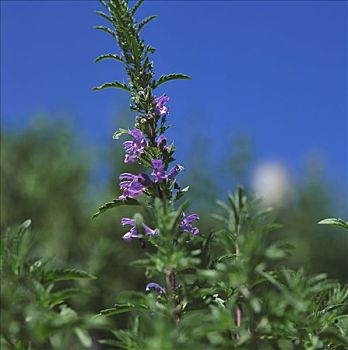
{"points": [[274, 70]]}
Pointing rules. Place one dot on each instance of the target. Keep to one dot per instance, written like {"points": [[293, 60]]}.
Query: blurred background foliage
{"points": [[56, 178]]}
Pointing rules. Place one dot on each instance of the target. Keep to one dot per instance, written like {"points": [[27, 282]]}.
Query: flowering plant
{"points": [[226, 289]]}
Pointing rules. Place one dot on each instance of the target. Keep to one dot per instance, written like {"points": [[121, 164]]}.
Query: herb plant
{"points": [[227, 289]]}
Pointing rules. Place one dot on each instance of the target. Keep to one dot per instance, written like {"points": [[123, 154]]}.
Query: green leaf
{"points": [[136, 6], [106, 29], [119, 133], [110, 342], [150, 49], [109, 55], [65, 275], [104, 3], [164, 78], [181, 192], [140, 263], [115, 203], [104, 15], [25, 225], [139, 222], [334, 221], [174, 222], [113, 84], [119, 309], [145, 21], [83, 336], [61, 296]]}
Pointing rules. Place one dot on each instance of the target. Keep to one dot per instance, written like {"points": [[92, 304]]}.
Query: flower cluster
{"points": [[135, 147], [133, 186]]}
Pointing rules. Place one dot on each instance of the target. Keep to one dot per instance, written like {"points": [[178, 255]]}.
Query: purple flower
{"points": [[156, 287], [136, 147], [130, 186], [160, 108], [186, 226], [159, 173], [158, 170], [161, 142], [133, 231], [173, 172]]}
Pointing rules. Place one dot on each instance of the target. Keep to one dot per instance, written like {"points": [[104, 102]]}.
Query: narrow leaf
{"points": [[109, 55], [106, 29], [145, 21], [119, 309], [114, 84], [119, 133], [83, 336], [61, 296], [140, 263], [168, 77], [136, 6], [65, 275], [114, 203], [334, 221], [104, 15]]}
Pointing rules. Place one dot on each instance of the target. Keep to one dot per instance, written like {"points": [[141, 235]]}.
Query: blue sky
{"points": [[273, 70]]}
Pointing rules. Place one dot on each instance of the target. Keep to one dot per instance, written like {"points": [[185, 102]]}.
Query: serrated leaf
{"points": [[113, 84], [110, 56], [119, 133], [168, 77], [145, 21], [115, 203], [66, 275], [334, 221]]}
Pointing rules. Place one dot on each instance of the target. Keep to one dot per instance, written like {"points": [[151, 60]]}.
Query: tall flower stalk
{"points": [[226, 290], [156, 187]]}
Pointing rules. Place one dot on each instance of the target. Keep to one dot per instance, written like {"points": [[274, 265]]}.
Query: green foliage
{"points": [[229, 289], [336, 222], [34, 309], [57, 192], [279, 308]]}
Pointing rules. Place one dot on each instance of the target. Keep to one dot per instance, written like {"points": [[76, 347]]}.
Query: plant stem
{"points": [[171, 286]]}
